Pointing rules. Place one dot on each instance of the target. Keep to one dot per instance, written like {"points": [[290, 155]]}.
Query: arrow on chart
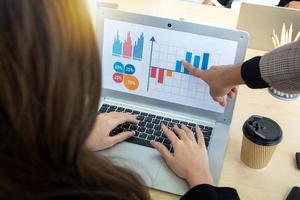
{"points": [[152, 40]]}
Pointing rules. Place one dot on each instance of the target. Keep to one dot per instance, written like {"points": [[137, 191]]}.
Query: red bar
{"points": [[161, 76], [153, 72]]}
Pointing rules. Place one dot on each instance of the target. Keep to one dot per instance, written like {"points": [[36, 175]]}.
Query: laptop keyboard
{"points": [[149, 127]]}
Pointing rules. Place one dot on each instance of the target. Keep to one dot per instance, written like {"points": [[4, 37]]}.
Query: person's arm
{"points": [[279, 69]]}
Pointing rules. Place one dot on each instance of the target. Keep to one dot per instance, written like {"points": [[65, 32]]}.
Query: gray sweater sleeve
{"points": [[280, 68]]}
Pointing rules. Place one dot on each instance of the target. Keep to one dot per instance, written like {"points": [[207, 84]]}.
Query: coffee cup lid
{"points": [[262, 131]]}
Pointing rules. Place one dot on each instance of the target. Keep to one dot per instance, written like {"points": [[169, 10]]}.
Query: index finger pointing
{"points": [[193, 70]]}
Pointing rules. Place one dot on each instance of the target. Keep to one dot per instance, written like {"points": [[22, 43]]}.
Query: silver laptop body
{"points": [[146, 161]]}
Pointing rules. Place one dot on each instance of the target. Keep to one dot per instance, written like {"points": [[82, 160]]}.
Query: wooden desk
{"points": [[276, 180]]}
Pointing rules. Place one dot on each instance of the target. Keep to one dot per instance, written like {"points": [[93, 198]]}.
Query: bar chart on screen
{"points": [[168, 76], [127, 49]]}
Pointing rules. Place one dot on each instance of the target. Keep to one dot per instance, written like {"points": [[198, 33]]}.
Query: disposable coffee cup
{"points": [[261, 137]]}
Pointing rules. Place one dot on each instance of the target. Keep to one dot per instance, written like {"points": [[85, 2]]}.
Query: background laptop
{"points": [[260, 21], [142, 74]]}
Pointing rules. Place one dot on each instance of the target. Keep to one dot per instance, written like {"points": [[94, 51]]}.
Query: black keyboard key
{"points": [[206, 133], [144, 114], [171, 124], [151, 115], [149, 125], [136, 112], [159, 117], [157, 133], [136, 134], [148, 119], [167, 119], [128, 110], [156, 121], [185, 123], [119, 109], [159, 139], [191, 124], [142, 124], [142, 129], [157, 127], [190, 127], [141, 118], [149, 131], [113, 107], [175, 121], [133, 127], [208, 128], [126, 125], [143, 135], [164, 122], [105, 105], [201, 127], [111, 110], [167, 141], [103, 109], [151, 137]]}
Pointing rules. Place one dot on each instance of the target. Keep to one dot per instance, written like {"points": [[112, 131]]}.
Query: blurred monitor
{"points": [[260, 21]]}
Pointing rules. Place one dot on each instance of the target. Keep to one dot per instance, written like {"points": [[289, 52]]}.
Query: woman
{"points": [[50, 87]]}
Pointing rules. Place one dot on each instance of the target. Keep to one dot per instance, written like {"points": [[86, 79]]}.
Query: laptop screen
{"points": [[147, 61]]}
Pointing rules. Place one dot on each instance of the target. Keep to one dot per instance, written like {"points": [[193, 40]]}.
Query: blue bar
{"points": [[197, 61], [178, 66], [205, 61], [188, 58]]}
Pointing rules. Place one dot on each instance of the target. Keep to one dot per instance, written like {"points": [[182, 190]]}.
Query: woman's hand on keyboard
{"points": [[190, 160], [100, 138]]}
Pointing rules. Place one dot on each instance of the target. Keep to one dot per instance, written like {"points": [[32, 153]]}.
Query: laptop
{"points": [[260, 21], [142, 74]]}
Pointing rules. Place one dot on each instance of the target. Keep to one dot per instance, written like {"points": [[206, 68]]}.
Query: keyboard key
{"points": [[151, 115], [119, 109], [167, 119], [113, 107], [136, 112], [149, 131], [175, 121], [141, 118], [143, 135], [142, 124], [185, 123], [103, 109], [157, 133], [144, 114], [157, 127], [156, 121], [149, 125], [128, 110], [159, 117], [136, 134], [191, 124], [133, 127], [208, 128], [164, 122], [148, 119], [105, 105], [142, 129], [159, 139], [151, 137], [201, 126], [171, 124], [167, 141]]}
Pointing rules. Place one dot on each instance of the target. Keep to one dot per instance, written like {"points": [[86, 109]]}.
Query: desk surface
{"points": [[276, 180]]}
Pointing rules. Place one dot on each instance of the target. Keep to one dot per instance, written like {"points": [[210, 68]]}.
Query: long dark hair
{"points": [[49, 94]]}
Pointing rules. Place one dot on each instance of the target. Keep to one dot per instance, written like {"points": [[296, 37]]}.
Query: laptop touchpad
{"points": [[142, 160]]}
